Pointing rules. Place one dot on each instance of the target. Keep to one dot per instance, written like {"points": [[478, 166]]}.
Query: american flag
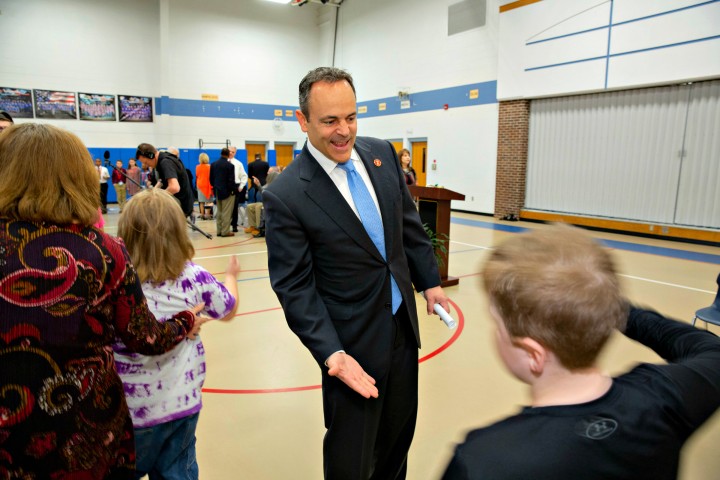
{"points": [[62, 97]]}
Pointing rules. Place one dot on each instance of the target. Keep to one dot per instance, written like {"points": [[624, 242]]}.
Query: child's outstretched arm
{"points": [[231, 274]]}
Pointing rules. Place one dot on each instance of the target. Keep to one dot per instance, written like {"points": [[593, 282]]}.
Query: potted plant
{"points": [[439, 244]]}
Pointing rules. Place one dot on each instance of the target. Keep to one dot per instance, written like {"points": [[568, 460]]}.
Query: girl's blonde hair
{"points": [[154, 230], [204, 158], [47, 175]]}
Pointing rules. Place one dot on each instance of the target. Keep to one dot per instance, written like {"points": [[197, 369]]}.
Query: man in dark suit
{"points": [[347, 290], [222, 179], [259, 169]]}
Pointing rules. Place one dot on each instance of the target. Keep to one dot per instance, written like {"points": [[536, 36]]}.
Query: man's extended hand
{"points": [[436, 295], [347, 369]]}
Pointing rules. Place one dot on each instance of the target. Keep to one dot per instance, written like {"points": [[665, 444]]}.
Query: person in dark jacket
{"points": [[555, 300], [222, 179]]}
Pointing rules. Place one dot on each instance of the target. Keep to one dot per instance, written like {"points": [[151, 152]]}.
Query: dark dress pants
{"points": [[370, 438], [103, 196], [236, 203]]}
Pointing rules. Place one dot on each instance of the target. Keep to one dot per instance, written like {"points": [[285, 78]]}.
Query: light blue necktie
{"points": [[370, 218]]}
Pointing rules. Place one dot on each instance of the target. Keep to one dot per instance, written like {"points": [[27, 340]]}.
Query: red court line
{"points": [[262, 390], [235, 244], [242, 271], [456, 335], [442, 348], [258, 311], [469, 275]]}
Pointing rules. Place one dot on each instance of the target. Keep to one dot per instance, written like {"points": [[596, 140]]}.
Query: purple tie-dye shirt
{"points": [[167, 387]]}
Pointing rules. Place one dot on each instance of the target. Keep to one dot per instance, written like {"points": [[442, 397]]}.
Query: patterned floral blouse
{"points": [[65, 293]]}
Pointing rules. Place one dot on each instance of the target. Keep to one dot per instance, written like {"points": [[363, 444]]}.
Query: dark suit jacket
{"points": [[222, 178], [331, 280], [259, 169]]}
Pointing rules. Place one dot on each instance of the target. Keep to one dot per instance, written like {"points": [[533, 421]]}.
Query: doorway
{"points": [[418, 154], [398, 144], [254, 148], [284, 154]]}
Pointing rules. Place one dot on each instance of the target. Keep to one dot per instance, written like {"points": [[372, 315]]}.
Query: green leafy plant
{"points": [[439, 244]]}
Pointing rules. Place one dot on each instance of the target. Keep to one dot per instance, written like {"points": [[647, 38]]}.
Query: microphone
{"points": [[106, 155], [444, 316]]}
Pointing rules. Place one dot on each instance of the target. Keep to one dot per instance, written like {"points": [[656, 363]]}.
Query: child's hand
{"points": [[199, 321], [233, 267]]}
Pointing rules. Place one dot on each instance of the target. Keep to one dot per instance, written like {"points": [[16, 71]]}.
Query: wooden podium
{"points": [[434, 209]]}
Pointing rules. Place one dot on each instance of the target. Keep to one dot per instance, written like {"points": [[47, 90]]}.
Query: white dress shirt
{"points": [[339, 176], [241, 177]]}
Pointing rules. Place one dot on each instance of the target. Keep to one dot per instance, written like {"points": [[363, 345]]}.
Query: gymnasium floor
{"points": [[262, 412]]}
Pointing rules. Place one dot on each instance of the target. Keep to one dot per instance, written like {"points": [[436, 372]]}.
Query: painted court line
{"points": [[230, 255], [684, 287], [437, 351]]}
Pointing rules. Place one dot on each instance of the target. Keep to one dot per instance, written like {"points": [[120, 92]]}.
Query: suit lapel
{"points": [[323, 192]]}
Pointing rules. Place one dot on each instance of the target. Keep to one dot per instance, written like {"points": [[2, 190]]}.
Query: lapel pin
{"points": [[377, 162]]}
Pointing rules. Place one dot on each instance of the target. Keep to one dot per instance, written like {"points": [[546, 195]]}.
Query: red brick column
{"points": [[513, 128]]}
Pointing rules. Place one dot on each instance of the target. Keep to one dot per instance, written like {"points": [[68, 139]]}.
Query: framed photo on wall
{"points": [[134, 108], [17, 102], [55, 104], [97, 107]]}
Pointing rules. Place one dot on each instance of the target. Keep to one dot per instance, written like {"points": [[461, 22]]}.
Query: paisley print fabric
{"points": [[66, 292]]}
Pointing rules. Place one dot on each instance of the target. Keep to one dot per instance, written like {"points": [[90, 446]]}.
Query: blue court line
{"points": [[618, 245], [663, 251], [252, 279], [489, 225]]}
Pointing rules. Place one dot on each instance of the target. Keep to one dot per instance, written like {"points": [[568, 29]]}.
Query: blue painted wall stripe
{"points": [[434, 100], [422, 101]]}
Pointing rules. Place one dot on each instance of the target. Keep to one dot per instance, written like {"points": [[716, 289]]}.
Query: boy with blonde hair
{"points": [[555, 299]]}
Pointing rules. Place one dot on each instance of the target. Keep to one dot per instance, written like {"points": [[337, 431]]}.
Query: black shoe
{"points": [[235, 229], [260, 234]]}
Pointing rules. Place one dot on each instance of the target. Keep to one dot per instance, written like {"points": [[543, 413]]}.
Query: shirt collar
{"points": [[327, 164]]}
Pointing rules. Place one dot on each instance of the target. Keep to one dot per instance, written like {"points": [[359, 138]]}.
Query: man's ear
{"points": [[537, 354], [301, 120]]}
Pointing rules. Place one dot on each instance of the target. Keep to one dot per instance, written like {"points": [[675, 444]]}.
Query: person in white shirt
{"points": [[104, 176], [241, 179]]}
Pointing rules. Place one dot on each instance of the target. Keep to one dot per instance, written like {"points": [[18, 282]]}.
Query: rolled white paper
{"points": [[444, 316]]}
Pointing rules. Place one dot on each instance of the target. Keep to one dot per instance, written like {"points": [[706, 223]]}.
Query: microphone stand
{"points": [[189, 223]]}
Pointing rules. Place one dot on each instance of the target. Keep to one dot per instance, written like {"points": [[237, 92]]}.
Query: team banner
{"points": [[98, 107], [55, 104], [135, 109], [17, 102]]}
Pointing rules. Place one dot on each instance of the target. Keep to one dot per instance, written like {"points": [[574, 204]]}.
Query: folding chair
{"points": [[710, 314]]}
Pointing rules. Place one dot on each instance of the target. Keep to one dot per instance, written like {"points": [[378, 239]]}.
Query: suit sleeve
{"points": [[292, 279]]}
